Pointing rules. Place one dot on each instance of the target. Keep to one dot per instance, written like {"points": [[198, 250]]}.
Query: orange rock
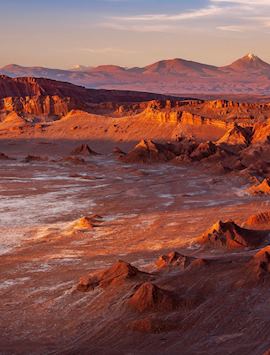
{"points": [[262, 189], [231, 236], [260, 219], [236, 136]]}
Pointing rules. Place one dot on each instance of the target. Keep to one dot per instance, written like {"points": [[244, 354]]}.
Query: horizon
{"points": [[118, 32], [250, 54]]}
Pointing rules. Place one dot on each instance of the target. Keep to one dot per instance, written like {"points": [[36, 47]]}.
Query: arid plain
{"points": [[132, 222]]}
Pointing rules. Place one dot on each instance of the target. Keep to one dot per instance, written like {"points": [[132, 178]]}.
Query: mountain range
{"points": [[247, 75]]}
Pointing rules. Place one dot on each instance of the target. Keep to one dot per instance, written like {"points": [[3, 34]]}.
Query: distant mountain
{"points": [[178, 67], [247, 75], [249, 62]]}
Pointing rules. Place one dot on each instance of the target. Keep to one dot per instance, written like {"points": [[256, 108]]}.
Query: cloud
{"points": [[159, 22], [224, 15], [232, 28], [138, 27], [244, 2], [189, 15]]}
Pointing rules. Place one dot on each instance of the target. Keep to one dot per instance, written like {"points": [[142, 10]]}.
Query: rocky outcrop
{"points": [[39, 96], [258, 220], [147, 151], [231, 236], [261, 263], [150, 297], [261, 132], [174, 259], [237, 136], [261, 189], [204, 150], [40, 105], [115, 275], [86, 223], [174, 112]]}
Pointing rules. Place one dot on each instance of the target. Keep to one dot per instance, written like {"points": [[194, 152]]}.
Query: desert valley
{"points": [[132, 222], [135, 177]]}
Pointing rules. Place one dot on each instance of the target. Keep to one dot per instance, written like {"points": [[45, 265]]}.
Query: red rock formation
{"points": [[231, 236], [39, 96], [261, 132], [237, 136], [115, 275], [261, 263], [147, 151], [86, 223], [262, 189], [150, 297], [174, 259], [260, 219]]}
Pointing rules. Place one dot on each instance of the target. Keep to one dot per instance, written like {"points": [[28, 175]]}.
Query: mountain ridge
{"points": [[249, 74]]}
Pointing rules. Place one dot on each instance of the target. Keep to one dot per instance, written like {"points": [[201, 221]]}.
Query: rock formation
{"points": [[147, 151], [204, 150], [174, 259], [259, 220], [261, 263], [150, 297], [115, 275], [237, 136], [229, 235], [262, 189], [86, 223]]}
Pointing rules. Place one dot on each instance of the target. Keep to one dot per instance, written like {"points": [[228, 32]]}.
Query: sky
{"points": [[64, 33]]}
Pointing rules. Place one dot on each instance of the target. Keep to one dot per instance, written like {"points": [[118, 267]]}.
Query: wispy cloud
{"points": [[189, 15], [224, 15], [244, 2], [232, 28], [137, 28], [160, 22]]}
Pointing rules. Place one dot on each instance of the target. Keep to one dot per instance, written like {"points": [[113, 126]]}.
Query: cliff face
{"points": [[219, 113], [24, 87], [39, 96], [33, 96], [39, 105]]}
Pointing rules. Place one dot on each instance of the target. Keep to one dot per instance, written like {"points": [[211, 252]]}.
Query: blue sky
{"points": [[62, 33]]}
